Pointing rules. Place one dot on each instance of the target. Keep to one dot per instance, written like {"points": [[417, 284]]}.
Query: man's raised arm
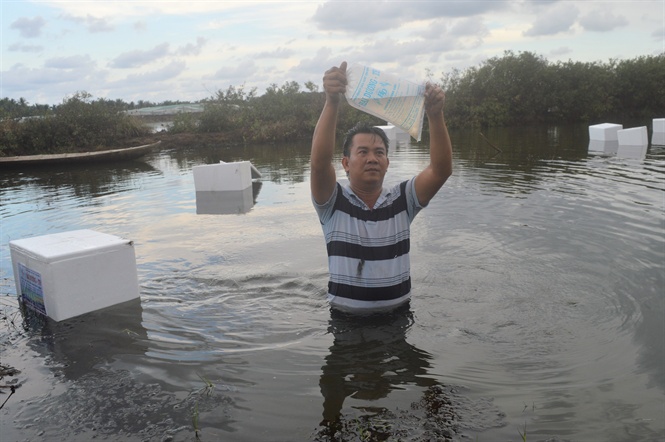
{"points": [[429, 181], [323, 178]]}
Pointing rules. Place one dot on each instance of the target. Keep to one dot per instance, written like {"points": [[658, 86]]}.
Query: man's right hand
{"points": [[334, 82]]}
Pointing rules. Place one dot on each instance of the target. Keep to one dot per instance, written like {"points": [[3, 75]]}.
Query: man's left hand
{"points": [[434, 99]]}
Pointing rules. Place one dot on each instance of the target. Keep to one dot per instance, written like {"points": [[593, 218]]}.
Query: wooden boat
{"points": [[128, 153]]}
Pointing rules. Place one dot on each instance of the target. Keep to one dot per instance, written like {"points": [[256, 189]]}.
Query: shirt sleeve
{"points": [[325, 210], [412, 203]]}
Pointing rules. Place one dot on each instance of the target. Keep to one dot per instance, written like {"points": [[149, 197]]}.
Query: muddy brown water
{"points": [[537, 303]]}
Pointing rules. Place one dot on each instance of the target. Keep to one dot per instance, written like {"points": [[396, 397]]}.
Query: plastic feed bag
{"points": [[385, 96]]}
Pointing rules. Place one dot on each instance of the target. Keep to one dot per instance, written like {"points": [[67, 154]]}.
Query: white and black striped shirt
{"points": [[368, 249]]}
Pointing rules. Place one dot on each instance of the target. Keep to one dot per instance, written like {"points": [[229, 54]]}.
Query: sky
{"points": [[188, 50]]}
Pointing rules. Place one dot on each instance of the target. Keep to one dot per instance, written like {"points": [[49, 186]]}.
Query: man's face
{"points": [[367, 162]]}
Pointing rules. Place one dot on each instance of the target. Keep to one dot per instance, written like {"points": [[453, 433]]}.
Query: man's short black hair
{"points": [[364, 128]]}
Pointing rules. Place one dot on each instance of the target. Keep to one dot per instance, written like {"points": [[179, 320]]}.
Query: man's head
{"points": [[364, 128], [366, 156]]}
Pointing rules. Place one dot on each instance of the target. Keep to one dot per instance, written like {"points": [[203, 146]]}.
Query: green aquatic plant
{"points": [[208, 388], [522, 433], [195, 422]]}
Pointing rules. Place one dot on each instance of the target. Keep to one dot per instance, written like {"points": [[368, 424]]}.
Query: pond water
{"points": [[538, 303]]}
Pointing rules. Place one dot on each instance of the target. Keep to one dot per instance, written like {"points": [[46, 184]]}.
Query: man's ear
{"points": [[345, 164]]}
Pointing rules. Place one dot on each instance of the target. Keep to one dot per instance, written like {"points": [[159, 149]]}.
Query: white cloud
{"points": [[91, 23], [140, 26], [602, 21], [29, 27], [560, 51], [72, 62], [22, 79], [139, 58], [376, 16], [236, 74], [145, 8], [469, 27], [192, 49], [168, 72], [554, 20], [276, 53], [20, 47]]}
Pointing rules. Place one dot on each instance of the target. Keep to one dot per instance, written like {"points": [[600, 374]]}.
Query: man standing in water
{"points": [[366, 226]]}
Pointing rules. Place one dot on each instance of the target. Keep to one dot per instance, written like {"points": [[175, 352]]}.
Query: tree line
{"points": [[525, 88], [512, 89]]}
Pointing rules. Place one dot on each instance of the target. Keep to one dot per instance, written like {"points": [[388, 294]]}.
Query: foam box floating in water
{"points": [[390, 131], [223, 176], [395, 133], [604, 131], [635, 136], [658, 135], [67, 274], [255, 172]]}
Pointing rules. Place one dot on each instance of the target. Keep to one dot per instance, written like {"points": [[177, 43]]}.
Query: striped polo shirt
{"points": [[368, 249]]}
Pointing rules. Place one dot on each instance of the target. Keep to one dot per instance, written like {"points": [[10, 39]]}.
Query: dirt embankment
{"points": [[183, 139]]}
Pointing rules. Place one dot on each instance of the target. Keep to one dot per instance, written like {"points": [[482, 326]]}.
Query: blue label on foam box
{"points": [[32, 292]]}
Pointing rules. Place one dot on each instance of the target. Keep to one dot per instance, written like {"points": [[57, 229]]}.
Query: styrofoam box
{"points": [[659, 125], [604, 131], [389, 130], [67, 274], [658, 138], [635, 136], [658, 135], [255, 171], [222, 176]]}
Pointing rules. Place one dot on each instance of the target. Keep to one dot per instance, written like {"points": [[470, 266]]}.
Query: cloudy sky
{"points": [[187, 50]]}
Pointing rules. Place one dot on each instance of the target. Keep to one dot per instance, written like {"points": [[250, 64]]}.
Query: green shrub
{"points": [[78, 124]]}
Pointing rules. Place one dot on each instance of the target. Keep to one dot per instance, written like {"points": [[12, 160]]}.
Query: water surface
{"points": [[537, 300]]}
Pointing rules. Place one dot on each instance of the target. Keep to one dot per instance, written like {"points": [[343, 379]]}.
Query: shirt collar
{"points": [[385, 193]]}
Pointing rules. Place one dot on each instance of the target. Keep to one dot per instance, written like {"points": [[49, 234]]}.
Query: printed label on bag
{"points": [[392, 99]]}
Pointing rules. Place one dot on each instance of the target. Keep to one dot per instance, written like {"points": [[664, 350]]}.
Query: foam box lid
{"points": [[66, 245]]}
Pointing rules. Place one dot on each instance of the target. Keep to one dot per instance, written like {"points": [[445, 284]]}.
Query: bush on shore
{"points": [[79, 124], [283, 113]]}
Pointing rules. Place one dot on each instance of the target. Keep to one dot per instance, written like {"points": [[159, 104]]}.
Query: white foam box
{"points": [[658, 135], [604, 131], [222, 176], [390, 131], [659, 125], [635, 136], [255, 172], [67, 274]]}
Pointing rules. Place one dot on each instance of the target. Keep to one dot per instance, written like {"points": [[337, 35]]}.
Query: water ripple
{"points": [[194, 319]]}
